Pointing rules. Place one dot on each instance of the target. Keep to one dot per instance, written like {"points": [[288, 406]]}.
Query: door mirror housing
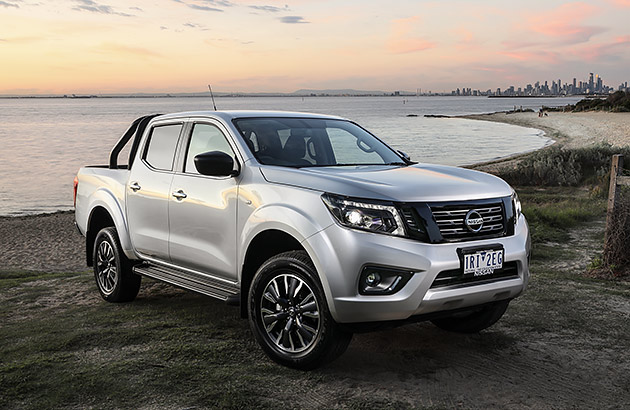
{"points": [[216, 164]]}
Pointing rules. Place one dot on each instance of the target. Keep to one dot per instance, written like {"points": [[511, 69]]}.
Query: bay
{"points": [[43, 142]]}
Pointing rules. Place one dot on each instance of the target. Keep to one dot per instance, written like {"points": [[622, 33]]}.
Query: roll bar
{"points": [[137, 128]]}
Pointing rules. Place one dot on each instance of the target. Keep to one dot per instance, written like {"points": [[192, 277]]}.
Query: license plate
{"points": [[482, 263]]}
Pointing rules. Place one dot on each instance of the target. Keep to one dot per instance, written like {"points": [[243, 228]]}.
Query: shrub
{"points": [[616, 102], [556, 166]]}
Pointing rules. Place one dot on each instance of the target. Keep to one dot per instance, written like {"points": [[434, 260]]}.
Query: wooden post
{"points": [[616, 170]]}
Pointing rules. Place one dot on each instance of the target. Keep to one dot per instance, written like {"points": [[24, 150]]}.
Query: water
{"points": [[45, 141]]}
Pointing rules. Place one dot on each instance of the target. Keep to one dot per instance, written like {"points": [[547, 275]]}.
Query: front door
{"points": [[202, 209]]}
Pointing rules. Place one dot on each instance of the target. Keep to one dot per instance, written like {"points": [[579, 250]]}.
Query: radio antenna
{"points": [[212, 95]]}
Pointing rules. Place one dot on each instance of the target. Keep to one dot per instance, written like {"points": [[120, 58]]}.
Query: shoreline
{"points": [[567, 130], [570, 130]]}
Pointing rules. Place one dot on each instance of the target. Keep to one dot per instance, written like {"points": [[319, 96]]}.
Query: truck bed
{"points": [[99, 183]]}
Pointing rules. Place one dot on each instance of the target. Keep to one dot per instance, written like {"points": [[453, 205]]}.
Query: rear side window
{"points": [[160, 151]]}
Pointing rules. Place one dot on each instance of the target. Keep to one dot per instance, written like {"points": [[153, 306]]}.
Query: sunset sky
{"points": [[119, 46]]}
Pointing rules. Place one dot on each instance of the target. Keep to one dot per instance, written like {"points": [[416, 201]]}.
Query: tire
{"points": [[476, 321], [113, 273], [289, 316]]}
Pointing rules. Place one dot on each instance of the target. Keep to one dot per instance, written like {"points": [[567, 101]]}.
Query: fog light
{"points": [[373, 279], [376, 280]]}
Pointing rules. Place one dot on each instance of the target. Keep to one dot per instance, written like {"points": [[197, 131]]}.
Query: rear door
{"points": [[148, 190], [202, 209]]}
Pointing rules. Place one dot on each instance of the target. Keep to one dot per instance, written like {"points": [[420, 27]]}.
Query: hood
{"points": [[416, 183]]}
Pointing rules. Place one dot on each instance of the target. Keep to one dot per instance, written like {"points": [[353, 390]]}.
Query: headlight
{"points": [[516, 206], [367, 216]]}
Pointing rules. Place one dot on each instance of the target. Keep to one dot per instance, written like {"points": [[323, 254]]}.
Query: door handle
{"points": [[179, 194], [134, 186]]}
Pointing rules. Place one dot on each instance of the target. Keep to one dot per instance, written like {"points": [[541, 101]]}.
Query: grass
{"points": [[107, 355], [553, 212], [63, 347]]}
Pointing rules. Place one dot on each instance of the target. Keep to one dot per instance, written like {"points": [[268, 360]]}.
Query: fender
{"points": [[281, 217], [294, 221], [106, 199]]}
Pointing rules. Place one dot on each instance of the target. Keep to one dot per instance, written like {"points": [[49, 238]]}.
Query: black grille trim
{"points": [[439, 222], [496, 214], [456, 277]]}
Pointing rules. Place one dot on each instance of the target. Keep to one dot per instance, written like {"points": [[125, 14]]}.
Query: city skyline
{"points": [[116, 46], [594, 85]]}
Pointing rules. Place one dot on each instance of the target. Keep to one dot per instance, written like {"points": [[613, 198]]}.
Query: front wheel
{"points": [[113, 273], [475, 321], [289, 315]]}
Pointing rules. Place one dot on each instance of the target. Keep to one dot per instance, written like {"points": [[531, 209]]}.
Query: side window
{"points": [[205, 138], [160, 151]]}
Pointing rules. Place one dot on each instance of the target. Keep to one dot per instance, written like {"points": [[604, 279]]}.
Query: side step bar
{"points": [[206, 286]]}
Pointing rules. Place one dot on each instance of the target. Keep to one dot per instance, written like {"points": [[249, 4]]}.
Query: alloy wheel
{"points": [[290, 313], [107, 273]]}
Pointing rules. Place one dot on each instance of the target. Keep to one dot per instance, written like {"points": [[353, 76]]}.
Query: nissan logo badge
{"points": [[473, 221]]}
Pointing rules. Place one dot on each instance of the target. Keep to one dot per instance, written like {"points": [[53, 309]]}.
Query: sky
{"points": [[127, 46]]}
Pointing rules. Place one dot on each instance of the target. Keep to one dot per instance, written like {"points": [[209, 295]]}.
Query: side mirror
{"points": [[215, 163]]}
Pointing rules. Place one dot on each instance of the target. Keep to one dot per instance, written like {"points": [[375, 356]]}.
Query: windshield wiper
{"points": [[348, 165]]}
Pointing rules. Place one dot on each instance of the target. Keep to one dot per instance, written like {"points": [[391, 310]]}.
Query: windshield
{"points": [[299, 142]]}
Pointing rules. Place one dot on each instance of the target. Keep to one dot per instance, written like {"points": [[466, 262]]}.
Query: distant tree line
{"points": [[616, 102]]}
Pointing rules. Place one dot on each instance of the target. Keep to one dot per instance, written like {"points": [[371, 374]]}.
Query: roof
{"points": [[230, 115]]}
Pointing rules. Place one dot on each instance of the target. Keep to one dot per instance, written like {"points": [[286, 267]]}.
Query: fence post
{"points": [[616, 170]]}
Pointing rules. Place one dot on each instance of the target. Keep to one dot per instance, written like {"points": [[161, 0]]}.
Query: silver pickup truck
{"points": [[312, 225]]}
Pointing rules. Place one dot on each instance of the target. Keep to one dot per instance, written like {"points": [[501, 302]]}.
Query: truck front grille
{"points": [[450, 220]]}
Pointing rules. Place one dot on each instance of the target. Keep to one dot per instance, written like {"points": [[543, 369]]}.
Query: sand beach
{"points": [[571, 130]]}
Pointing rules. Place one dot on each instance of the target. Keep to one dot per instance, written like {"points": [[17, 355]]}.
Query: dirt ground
{"points": [[564, 344]]}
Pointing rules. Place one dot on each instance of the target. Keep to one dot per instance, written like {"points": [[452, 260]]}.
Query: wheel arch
{"points": [[263, 246], [106, 211]]}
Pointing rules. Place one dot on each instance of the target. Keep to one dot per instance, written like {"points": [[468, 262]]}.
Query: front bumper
{"points": [[339, 254]]}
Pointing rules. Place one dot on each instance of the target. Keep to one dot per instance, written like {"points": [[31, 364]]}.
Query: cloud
{"points": [[92, 6], [516, 45], [205, 5], [7, 5], [621, 3], [401, 41], [293, 20], [135, 8], [125, 50], [270, 9], [564, 23], [21, 40], [195, 25], [598, 52], [547, 57]]}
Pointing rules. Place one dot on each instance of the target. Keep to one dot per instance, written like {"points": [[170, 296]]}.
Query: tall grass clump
{"points": [[552, 212], [557, 166]]}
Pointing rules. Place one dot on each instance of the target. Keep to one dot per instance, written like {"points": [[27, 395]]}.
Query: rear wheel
{"points": [[289, 316], [113, 273], [475, 321]]}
